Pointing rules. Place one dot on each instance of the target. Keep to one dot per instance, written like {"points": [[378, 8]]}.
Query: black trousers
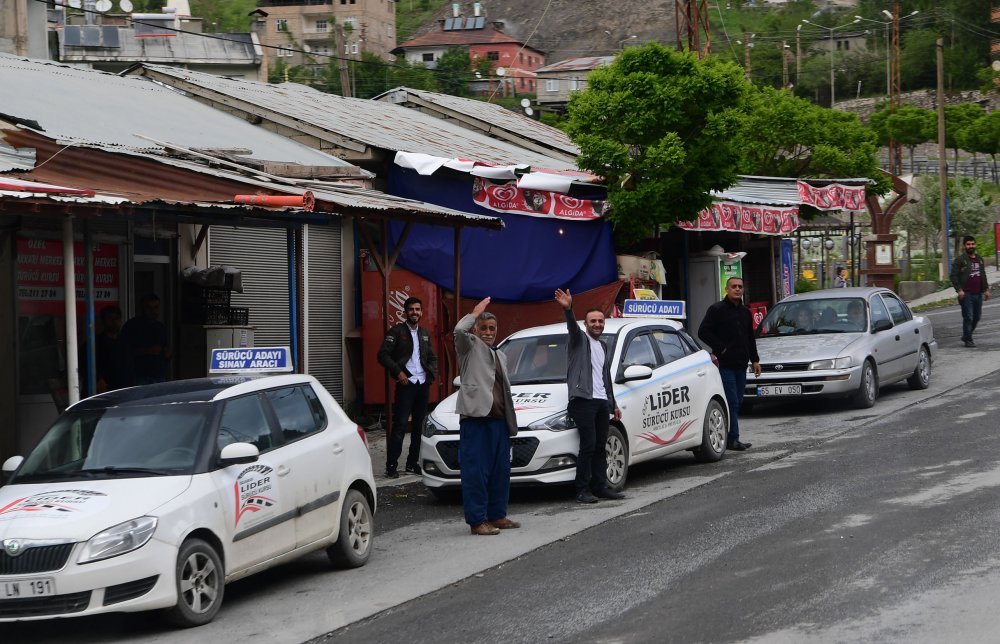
{"points": [[411, 401], [592, 418]]}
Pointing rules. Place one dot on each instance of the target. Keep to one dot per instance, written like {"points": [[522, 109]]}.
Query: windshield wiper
{"points": [[111, 470]]}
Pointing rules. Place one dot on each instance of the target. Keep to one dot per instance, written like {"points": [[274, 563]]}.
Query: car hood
{"points": [[80, 509], [531, 403], [805, 348]]}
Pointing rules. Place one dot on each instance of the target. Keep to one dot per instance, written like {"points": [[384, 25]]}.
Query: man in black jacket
{"points": [[408, 358], [728, 330], [968, 276]]}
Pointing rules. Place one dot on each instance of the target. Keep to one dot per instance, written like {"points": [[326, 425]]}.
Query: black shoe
{"points": [[738, 446], [413, 469], [586, 497], [391, 474], [609, 494], [970, 344]]}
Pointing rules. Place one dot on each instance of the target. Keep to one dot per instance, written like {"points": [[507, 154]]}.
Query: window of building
{"points": [[321, 25], [351, 23], [521, 82], [354, 47], [427, 58], [531, 60], [552, 85], [281, 24], [492, 55], [531, 85], [520, 56], [574, 84], [388, 30]]}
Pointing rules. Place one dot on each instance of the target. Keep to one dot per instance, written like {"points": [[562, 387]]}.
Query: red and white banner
{"points": [[507, 197], [40, 285], [835, 196], [745, 218]]}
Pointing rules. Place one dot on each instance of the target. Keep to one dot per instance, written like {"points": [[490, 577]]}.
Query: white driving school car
{"points": [[155, 497], [669, 392]]}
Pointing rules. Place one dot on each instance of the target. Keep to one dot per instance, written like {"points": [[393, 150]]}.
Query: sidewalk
{"points": [[376, 448], [947, 296]]}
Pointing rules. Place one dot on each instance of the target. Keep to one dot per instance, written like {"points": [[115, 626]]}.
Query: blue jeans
{"points": [[972, 310], [734, 382], [484, 459], [592, 418]]}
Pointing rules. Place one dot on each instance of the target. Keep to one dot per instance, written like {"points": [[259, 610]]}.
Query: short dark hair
{"points": [[110, 310], [412, 300], [968, 238], [734, 277], [841, 268], [593, 309]]}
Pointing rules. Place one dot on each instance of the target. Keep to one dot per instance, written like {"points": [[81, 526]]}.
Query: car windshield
{"points": [[119, 443], [829, 315], [540, 358]]}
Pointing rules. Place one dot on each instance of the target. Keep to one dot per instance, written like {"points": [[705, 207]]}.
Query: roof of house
{"points": [[461, 38], [585, 64], [355, 126], [181, 47]]}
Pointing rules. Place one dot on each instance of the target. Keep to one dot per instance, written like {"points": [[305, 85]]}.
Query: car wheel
{"points": [[868, 389], [354, 544], [200, 581], [921, 378], [617, 453], [713, 434]]}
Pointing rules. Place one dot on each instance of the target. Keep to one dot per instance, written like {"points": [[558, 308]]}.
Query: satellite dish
{"points": [[529, 111], [306, 48], [126, 6], [525, 102], [501, 71], [102, 5], [76, 4], [996, 65]]}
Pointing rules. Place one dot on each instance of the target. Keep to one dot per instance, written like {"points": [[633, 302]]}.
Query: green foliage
{"points": [[371, 76], [956, 119], [911, 126], [660, 126], [970, 205], [802, 285], [454, 71], [982, 136], [412, 14], [223, 16]]}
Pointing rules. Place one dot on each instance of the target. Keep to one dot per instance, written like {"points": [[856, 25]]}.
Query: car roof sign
{"points": [[251, 360], [671, 309]]}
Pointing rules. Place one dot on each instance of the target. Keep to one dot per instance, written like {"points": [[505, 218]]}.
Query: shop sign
{"points": [[674, 309], [39, 279], [251, 360], [507, 197]]}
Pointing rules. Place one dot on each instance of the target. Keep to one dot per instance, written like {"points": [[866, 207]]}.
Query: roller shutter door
{"points": [[324, 343]]}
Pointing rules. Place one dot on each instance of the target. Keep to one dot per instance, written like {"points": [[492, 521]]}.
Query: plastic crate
{"points": [[239, 315]]}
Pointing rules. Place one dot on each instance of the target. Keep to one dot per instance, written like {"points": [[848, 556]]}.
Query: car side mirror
{"points": [[11, 464], [238, 454], [457, 381], [636, 372], [881, 325]]}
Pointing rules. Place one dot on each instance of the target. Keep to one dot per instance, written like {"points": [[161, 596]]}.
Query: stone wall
{"points": [[865, 107]]}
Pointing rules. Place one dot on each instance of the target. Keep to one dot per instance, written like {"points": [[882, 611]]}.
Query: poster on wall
{"points": [[39, 278]]}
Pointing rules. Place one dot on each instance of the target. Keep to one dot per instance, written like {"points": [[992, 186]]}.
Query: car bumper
{"points": [[838, 382], [538, 457], [136, 581]]}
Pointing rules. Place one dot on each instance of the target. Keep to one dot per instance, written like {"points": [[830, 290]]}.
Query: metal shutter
{"points": [[323, 281], [260, 253]]}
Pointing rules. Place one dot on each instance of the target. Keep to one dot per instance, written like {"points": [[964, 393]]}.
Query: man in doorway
{"points": [[486, 423], [968, 276], [112, 357], [591, 400], [408, 358], [728, 329], [146, 340]]}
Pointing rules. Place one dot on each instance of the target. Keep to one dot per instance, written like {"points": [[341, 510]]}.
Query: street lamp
{"points": [[886, 24], [625, 40], [830, 44]]}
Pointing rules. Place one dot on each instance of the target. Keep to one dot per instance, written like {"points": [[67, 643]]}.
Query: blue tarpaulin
{"points": [[524, 262]]}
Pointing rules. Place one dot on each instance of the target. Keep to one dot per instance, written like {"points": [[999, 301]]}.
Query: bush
{"points": [[803, 285]]}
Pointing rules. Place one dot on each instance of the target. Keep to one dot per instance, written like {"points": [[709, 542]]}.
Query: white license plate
{"points": [[779, 390], [26, 588]]}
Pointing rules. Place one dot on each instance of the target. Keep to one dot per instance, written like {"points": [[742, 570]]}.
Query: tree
{"points": [[983, 136], [223, 16], [970, 210], [659, 126], [911, 126], [956, 118], [454, 71]]}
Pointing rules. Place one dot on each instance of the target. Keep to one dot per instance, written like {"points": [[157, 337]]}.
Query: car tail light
{"points": [[715, 359], [363, 435]]}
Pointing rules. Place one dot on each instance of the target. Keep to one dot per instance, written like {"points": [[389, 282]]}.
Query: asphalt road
{"points": [[839, 525]]}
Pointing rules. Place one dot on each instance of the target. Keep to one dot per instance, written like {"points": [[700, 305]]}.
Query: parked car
{"points": [[669, 392], [841, 342], [155, 497]]}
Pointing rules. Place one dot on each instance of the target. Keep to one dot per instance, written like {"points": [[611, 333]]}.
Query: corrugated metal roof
{"points": [[776, 191], [370, 123], [16, 159], [76, 105], [584, 64], [487, 117], [182, 47], [442, 38]]}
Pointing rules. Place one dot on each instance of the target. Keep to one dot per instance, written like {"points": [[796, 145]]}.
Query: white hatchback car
{"points": [[669, 392], [155, 497]]}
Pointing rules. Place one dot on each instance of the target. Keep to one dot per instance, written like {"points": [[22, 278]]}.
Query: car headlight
{"points": [[117, 540], [837, 363], [433, 428], [558, 423]]}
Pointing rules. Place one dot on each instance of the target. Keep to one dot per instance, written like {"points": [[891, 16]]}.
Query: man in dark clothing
{"points": [[112, 356], [728, 330], [409, 359], [147, 342], [968, 276], [591, 400]]}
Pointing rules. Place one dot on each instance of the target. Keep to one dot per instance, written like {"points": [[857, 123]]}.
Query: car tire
{"points": [[714, 431], [354, 543], [617, 453], [867, 391], [200, 581], [921, 378]]}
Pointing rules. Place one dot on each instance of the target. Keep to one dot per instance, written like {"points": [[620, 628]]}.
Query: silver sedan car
{"points": [[841, 342]]}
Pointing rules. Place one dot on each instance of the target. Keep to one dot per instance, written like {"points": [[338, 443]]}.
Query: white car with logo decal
{"points": [[669, 392], [155, 497]]}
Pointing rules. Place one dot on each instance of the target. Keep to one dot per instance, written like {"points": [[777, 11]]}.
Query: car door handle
{"points": [[337, 448], [916, 331], [283, 470], [897, 338], [701, 374]]}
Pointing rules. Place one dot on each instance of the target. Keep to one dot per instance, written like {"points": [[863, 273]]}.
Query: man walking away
{"points": [[409, 359], [486, 423], [591, 400], [968, 276], [728, 330]]}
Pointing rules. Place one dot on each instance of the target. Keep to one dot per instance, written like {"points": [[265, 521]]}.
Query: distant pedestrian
{"points": [[486, 423], [728, 329], [591, 400], [148, 343], [841, 281], [409, 359], [968, 276]]}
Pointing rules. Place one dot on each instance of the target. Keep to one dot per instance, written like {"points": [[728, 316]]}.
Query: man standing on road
{"points": [[591, 400], [968, 276], [486, 423], [728, 330], [409, 359]]}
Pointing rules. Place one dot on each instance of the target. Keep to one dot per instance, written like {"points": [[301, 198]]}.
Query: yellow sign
{"points": [[645, 294]]}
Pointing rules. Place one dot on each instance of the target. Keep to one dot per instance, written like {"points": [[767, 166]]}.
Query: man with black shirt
{"points": [[728, 330], [968, 276]]}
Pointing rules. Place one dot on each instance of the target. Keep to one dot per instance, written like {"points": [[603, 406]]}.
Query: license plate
{"points": [[779, 390], [26, 588]]}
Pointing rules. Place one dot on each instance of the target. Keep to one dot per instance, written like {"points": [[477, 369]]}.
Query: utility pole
{"points": [[784, 65], [798, 52], [895, 149], [691, 19], [942, 163], [338, 42]]}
